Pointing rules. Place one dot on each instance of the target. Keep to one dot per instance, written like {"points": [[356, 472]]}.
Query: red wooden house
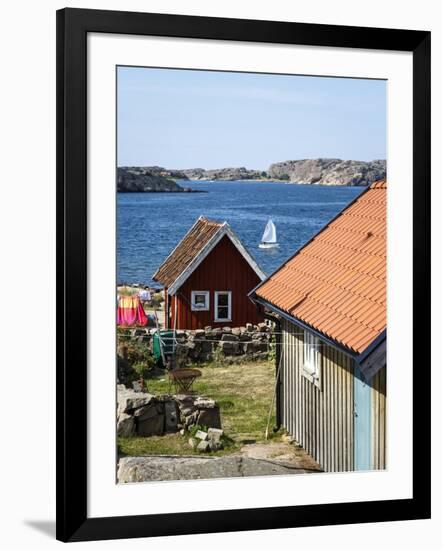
{"points": [[207, 278]]}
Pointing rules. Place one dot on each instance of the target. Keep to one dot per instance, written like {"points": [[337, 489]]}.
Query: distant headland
{"points": [[321, 171], [139, 179]]}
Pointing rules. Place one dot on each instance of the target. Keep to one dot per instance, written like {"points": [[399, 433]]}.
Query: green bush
{"points": [[157, 300], [135, 352], [142, 369]]}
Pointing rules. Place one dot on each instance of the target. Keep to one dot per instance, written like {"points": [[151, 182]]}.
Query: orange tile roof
{"points": [[198, 236], [336, 283]]}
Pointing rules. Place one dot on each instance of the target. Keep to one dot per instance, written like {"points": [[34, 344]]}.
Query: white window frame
{"points": [[312, 358], [193, 295], [229, 305]]}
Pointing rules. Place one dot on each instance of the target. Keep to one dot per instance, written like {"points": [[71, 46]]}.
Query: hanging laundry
{"points": [[130, 311], [145, 295]]}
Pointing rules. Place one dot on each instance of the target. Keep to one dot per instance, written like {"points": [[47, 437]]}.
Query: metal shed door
{"points": [[362, 424]]}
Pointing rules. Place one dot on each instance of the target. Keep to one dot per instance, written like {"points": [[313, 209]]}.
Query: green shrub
{"points": [[123, 334], [142, 369], [135, 351], [157, 300]]}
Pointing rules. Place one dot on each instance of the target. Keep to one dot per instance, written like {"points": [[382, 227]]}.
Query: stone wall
{"points": [[195, 346], [144, 414]]}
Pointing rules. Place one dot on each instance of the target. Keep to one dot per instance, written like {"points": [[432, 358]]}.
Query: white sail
{"points": [[269, 235]]}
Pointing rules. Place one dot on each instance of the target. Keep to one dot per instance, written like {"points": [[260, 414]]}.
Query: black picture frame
{"points": [[73, 25]]}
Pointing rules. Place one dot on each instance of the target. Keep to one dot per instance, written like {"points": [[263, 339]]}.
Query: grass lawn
{"points": [[244, 394]]}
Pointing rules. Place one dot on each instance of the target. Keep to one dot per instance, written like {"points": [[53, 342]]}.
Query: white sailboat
{"points": [[268, 239]]}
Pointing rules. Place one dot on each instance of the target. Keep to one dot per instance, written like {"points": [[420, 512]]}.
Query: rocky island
{"points": [[149, 180], [224, 174], [329, 171], [322, 171]]}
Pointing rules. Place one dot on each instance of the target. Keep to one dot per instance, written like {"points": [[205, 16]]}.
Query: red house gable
{"points": [[207, 279]]}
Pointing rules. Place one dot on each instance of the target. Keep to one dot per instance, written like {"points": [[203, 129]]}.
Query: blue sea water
{"points": [[150, 225]]}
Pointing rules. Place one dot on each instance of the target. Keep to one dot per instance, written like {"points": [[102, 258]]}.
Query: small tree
{"points": [[142, 369], [157, 300]]}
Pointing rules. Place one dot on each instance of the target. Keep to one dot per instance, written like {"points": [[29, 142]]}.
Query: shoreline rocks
{"points": [[144, 180], [319, 171], [223, 174], [325, 171]]}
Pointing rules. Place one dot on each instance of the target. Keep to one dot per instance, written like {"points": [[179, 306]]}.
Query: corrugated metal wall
{"points": [[321, 418]]}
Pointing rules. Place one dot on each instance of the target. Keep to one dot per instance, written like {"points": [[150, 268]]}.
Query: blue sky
{"points": [[188, 119]]}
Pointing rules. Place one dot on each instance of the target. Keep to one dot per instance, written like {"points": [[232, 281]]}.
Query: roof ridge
{"points": [[208, 221]]}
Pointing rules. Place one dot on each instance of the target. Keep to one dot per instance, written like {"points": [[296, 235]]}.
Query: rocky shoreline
{"points": [[321, 171], [303, 172], [143, 180], [329, 171], [224, 174]]}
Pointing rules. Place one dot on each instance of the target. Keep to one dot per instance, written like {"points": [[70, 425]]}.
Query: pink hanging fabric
{"points": [[130, 312]]}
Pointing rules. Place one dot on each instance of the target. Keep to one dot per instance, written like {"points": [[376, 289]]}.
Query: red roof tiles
{"points": [[336, 283]]}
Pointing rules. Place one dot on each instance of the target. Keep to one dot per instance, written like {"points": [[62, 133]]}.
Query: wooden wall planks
{"points": [[321, 419]]}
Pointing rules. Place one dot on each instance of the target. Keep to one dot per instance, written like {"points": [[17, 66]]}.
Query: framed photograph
{"points": [[243, 208]]}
